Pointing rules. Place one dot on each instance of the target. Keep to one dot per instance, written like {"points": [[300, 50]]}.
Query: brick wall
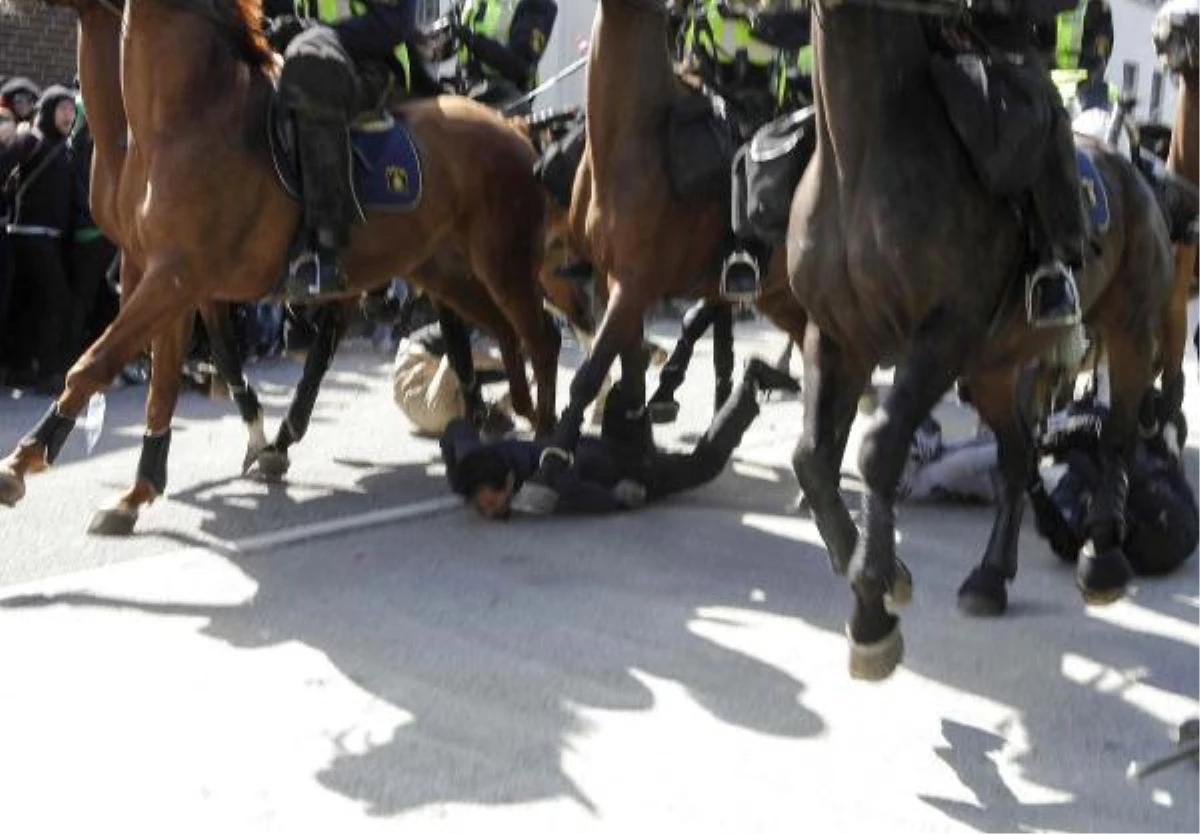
{"points": [[41, 47]]}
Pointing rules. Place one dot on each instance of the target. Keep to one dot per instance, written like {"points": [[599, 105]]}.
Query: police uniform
{"points": [[757, 78], [1083, 40], [320, 87], [501, 43]]}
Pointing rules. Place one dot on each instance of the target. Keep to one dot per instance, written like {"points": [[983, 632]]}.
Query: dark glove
{"points": [[282, 30]]}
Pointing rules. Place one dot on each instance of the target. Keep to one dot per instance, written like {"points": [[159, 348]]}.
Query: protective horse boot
{"points": [[318, 85], [1051, 295]]}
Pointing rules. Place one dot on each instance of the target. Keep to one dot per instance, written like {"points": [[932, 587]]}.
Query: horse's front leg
{"points": [[876, 644], [331, 326], [621, 327], [984, 592], [153, 304], [166, 363], [228, 359]]}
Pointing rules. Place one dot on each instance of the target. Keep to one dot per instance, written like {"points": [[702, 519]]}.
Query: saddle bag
{"points": [[1002, 113], [699, 150], [557, 167], [767, 170]]}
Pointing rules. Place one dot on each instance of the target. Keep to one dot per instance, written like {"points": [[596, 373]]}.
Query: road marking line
{"points": [[252, 544], [320, 529]]}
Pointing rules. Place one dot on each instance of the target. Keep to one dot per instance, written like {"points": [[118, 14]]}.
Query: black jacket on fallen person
{"points": [[584, 488], [41, 153], [517, 60]]}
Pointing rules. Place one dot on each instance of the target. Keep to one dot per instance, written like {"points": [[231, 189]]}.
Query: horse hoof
{"points": [[662, 411], [12, 487], [983, 594], [876, 661], [1102, 577], [113, 522], [901, 592], [534, 499], [253, 455], [273, 464]]}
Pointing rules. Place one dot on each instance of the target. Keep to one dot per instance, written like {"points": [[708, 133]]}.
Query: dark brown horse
{"points": [[895, 249], [204, 218], [1178, 44], [645, 244]]}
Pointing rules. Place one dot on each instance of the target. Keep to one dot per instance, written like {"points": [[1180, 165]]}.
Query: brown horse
{"points": [[896, 249], [646, 244], [203, 216], [1176, 40]]}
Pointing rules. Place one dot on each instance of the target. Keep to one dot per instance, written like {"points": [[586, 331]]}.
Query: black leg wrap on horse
{"points": [[152, 465], [51, 432], [723, 352], [247, 402]]}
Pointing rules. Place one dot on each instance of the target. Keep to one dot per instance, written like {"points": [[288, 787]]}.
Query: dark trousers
{"points": [[88, 263], [666, 473], [373, 36], [6, 293], [41, 271], [1056, 192]]}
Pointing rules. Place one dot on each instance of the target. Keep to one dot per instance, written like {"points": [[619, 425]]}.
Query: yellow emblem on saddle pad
{"points": [[397, 178]]}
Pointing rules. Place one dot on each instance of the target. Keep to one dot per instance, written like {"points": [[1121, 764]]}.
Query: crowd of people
{"points": [[54, 298]]}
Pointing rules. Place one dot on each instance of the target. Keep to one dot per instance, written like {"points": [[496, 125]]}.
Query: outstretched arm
{"points": [[533, 23]]}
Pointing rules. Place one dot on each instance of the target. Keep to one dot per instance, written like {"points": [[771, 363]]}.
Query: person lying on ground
{"points": [[1162, 520], [619, 470]]}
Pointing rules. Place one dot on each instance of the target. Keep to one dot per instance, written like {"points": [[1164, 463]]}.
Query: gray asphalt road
{"points": [[678, 669]]}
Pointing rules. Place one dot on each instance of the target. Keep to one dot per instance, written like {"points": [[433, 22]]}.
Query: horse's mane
{"points": [[239, 21]]}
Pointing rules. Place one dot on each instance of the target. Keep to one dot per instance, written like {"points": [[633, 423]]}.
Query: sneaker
{"points": [[740, 278], [314, 273], [768, 378], [1051, 297]]}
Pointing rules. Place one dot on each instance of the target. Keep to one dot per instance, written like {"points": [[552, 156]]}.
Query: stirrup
{"points": [[740, 258], [1054, 270]]}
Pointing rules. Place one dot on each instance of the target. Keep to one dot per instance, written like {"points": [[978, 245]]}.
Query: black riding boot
{"points": [[324, 166], [319, 87], [1051, 295]]}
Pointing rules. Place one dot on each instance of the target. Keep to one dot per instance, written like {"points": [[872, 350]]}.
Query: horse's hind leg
{"points": [[663, 406], [984, 593], [154, 304], [1174, 330], [457, 336], [832, 385], [876, 645], [330, 322], [223, 343], [166, 362]]}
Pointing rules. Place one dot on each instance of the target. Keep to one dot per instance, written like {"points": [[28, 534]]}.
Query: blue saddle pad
{"points": [[387, 170], [387, 165], [1095, 194]]}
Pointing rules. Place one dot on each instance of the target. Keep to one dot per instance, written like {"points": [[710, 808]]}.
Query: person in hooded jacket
{"points": [[8, 135], [36, 172], [91, 254], [20, 95]]}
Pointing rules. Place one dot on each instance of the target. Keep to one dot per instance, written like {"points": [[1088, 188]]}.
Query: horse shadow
{"points": [[502, 657]]}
